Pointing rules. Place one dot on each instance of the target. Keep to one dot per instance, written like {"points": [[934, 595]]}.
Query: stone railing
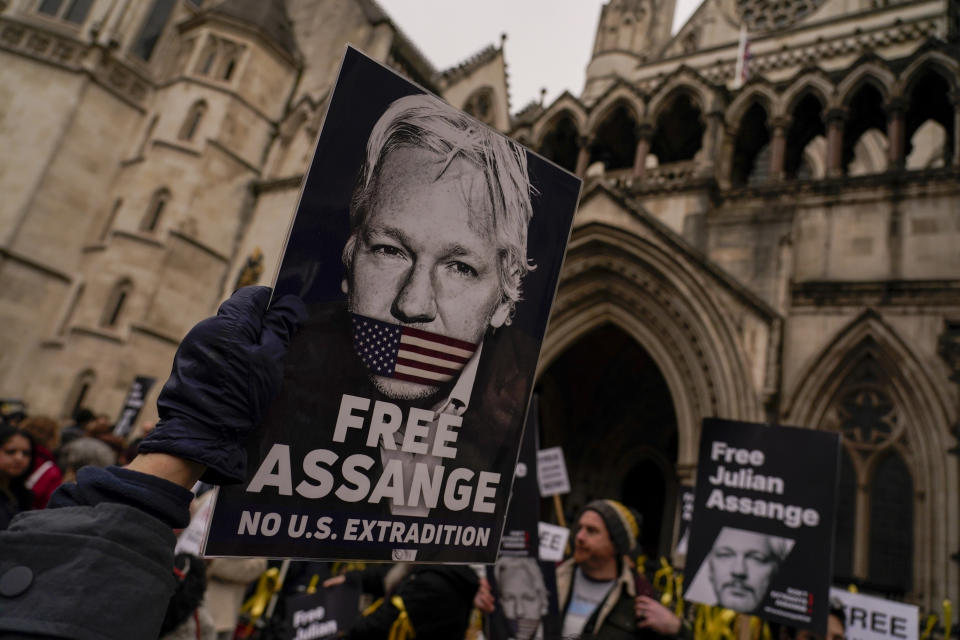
{"points": [[669, 175], [68, 51]]}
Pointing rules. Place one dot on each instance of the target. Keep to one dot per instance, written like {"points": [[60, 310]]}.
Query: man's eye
{"points": [[386, 250], [463, 269]]}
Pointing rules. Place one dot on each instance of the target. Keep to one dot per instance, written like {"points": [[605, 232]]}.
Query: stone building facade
{"points": [[780, 247]]}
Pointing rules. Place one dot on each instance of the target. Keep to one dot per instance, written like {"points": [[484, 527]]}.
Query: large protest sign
{"points": [[524, 588], [324, 614], [870, 618], [132, 405], [427, 249], [761, 540]]}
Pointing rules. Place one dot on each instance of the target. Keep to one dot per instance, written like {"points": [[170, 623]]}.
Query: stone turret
{"points": [[630, 32]]}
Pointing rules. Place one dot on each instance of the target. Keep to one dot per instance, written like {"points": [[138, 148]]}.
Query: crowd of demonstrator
{"points": [[100, 561], [38, 453]]}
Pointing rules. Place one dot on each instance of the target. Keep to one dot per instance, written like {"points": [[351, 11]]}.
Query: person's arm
{"points": [[97, 563], [656, 617], [171, 468]]}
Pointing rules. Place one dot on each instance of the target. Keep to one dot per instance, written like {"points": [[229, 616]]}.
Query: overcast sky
{"points": [[548, 41]]}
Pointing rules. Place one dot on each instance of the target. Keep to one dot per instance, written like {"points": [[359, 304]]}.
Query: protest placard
{"points": [[553, 541], [427, 249], [132, 405], [871, 618], [524, 587], [761, 540], [321, 615], [686, 517], [552, 472]]}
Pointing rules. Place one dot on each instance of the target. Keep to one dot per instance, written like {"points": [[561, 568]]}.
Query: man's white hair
{"points": [[425, 122]]}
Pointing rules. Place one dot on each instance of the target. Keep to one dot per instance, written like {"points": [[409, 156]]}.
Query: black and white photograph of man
{"points": [[523, 595], [426, 249], [739, 569]]}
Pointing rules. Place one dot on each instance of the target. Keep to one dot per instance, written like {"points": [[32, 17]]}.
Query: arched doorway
{"points": [[606, 403]]}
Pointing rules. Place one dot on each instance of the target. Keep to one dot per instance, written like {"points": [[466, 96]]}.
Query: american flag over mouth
{"points": [[409, 354]]}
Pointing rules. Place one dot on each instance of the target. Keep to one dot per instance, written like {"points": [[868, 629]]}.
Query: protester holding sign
{"points": [[426, 248], [597, 586]]}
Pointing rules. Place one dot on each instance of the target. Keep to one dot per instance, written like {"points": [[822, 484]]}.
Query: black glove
{"points": [[226, 372]]}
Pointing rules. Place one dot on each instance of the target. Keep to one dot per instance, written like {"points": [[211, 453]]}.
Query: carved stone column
{"points": [[644, 133], [895, 133], [836, 118], [709, 154], [778, 147], [583, 156]]}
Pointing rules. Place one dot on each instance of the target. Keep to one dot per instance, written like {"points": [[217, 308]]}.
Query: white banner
{"points": [[872, 618], [553, 541]]}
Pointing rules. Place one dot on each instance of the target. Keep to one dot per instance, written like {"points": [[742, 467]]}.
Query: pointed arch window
{"points": [[230, 58], [192, 122], [560, 144], [678, 134], [930, 122], [751, 148], [154, 213], [480, 105], [876, 492], [208, 56], [116, 303], [891, 524]]}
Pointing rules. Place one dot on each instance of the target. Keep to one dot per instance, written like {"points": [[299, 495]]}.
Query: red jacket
{"points": [[45, 476]]}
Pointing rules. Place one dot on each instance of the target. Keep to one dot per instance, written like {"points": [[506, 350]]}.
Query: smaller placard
{"points": [[324, 614], [686, 517], [553, 541], [872, 618], [552, 472], [132, 405]]}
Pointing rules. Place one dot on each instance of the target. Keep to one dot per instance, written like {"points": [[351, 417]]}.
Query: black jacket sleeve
{"points": [[97, 563]]}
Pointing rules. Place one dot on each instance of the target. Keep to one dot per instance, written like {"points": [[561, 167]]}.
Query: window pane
{"points": [[50, 7], [846, 515], [891, 526], [152, 28], [78, 10]]}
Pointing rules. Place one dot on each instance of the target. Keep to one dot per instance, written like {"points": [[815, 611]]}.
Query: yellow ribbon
{"points": [[340, 568], [714, 623], [852, 588], [641, 563], [267, 585], [312, 587], [928, 629], [663, 582], [678, 579], [402, 628], [947, 618]]}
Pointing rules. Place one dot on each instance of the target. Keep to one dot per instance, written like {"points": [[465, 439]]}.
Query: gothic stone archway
{"points": [[709, 338]]}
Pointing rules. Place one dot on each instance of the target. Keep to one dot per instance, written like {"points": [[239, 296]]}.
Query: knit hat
{"points": [[623, 524]]}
